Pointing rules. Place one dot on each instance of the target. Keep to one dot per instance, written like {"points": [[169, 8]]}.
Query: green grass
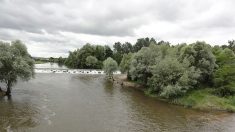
{"points": [[204, 99]]}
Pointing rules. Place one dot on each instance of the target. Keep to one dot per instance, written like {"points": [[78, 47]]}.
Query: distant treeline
{"points": [[39, 60], [92, 56]]}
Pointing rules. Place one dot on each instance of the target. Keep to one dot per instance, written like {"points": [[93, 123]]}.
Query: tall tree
{"points": [[15, 62], [143, 42], [108, 51], [127, 48], [72, 60], [117, 47]]}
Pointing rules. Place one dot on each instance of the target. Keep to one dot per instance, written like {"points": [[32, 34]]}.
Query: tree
{"points": [[224, 76], [225, 80], [140, 66], [117, 56], [144, 59], [110, 66], [201, 57], [72, 60], [125, 63], [143, 42], [60, 60], [51, 59], [91, 61], [118, 52], [84, 52], [231, 45], [127, 48], [171, 78], [15, 62], [117, 47], [108, 51], [99, 52]]}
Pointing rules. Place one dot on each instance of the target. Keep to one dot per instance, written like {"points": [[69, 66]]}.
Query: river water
{"points": [[89, 103]]}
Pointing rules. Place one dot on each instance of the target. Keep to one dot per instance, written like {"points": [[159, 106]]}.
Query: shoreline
{"points": [[201, 99]]}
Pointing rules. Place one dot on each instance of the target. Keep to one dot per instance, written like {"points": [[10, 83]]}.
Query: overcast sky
{"points": [[53, 27]]}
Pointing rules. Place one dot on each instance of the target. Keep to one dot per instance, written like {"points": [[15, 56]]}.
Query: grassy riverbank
{"points": [[201, 99], [205, 99]]}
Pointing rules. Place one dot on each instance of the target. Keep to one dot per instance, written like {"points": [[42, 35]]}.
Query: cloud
{"points": [[53, 27]]}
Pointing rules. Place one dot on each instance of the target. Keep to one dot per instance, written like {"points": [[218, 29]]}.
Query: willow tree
{"points": [[110, 66], [15, 63]]}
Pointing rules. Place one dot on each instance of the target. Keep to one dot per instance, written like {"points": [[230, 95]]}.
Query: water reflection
{"points": [[16, 115], [108, 86]]}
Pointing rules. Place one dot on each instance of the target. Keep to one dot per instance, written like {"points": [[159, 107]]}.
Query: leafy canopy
{"points": [[110, 66], [15, 62]]}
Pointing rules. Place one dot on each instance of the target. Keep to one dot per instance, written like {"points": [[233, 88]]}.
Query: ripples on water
{"points": [[65, 102]]}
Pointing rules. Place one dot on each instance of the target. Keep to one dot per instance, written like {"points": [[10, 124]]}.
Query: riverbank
{"points": [[202, 99]]}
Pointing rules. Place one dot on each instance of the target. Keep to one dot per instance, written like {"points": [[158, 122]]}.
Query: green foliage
{"points": [[61, 60], [125, 63], [144, 59], [224, 56], [120, 50], [78, 58], [224, 77], [232, 45], [72, 60], [140, 65], [91, 61], [143, 42], [201, 57], [107, 51], [172, 79], [172, 71], [117, 56], [15, 62], [110, 66]]}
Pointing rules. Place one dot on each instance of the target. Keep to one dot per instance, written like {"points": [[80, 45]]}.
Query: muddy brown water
{"points": [[90, 103]]}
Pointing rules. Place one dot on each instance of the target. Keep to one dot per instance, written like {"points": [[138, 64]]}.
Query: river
{"points": [[89, 103]]}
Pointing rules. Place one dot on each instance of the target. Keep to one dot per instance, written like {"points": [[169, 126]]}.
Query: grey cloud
{"points": [[53, 17], [40, 22]]}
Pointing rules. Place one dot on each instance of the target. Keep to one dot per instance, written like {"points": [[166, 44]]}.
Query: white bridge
{"points": [[71, 71]]}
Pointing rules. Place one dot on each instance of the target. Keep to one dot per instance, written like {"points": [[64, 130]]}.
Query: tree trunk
{"points": [[8, 92]]}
